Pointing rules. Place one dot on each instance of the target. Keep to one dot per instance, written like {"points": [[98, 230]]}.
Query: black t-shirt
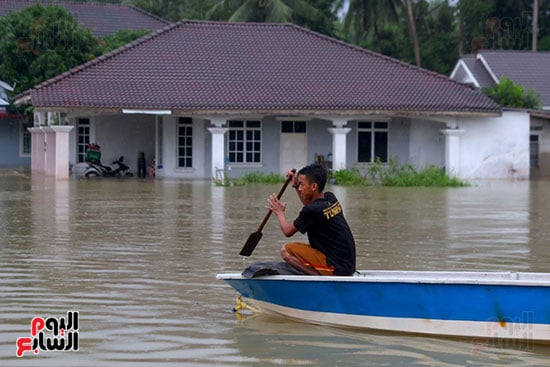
{"points": [[327, 231]]}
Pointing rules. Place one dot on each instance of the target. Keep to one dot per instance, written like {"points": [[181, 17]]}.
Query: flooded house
{"points": [[202, 99]]}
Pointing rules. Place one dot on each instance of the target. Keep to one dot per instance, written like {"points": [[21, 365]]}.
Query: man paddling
{"points": [[331, 248]]}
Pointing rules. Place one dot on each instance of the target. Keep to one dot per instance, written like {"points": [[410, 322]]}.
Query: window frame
{"points": [[83, 122], [244, 142], [374, 127], [187, 123]]}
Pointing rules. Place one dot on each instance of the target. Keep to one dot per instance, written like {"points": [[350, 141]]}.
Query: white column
{"points": [[452, 151], [50, 150], [339, 145], [218, 145]]}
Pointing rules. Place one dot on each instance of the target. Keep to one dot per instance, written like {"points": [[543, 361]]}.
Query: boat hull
{"points": [[465, 304]]}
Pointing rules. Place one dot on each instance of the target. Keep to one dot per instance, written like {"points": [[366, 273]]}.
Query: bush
{"points": [[393, 174], [506, 93], [253, 177]]}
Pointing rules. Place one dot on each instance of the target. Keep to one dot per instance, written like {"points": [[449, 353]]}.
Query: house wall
{"points": [[541, 127], [119, 135], [490, 148], [11, 145], [400, 140], [495, 147], [320, 140], [201, 150], [426, 144]]}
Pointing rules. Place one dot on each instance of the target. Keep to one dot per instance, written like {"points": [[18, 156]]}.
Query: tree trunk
{"points": [[535, 24], [414, 36]]}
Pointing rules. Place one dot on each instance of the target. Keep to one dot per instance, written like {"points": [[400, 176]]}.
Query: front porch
{"points": [[203, 147]]}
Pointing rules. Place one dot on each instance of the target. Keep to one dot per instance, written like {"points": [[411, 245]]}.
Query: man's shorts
{"points": [[310, 257]]}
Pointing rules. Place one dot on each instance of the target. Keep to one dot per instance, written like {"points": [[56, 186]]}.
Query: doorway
{"points": [[293, 152]]}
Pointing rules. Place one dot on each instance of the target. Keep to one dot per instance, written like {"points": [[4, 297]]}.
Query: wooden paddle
{"points": [[255, 237]]}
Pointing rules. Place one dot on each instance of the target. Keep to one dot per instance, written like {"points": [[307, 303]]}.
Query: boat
{"points": [[493, 305]]}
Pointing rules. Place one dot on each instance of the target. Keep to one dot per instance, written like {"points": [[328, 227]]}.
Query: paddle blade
{"points": [[251, 243]]}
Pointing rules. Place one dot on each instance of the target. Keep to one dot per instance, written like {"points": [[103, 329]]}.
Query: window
{"points": [[25, 139], [185, 142], [245, 142], [83, 138], [293, 126], [372, 142]]}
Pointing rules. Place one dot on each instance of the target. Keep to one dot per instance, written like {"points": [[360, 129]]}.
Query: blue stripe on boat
{"points": [[463, 302]]}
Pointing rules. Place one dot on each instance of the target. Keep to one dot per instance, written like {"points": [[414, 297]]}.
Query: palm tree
{"points": [[412, 29], [366, 18], [370, 16], [535, 24], [272, 11]]}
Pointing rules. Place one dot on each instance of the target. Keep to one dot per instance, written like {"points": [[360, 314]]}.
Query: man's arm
{"points": [[278, 209]]}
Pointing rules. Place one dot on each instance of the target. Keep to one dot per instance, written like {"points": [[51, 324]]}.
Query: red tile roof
{"points": [[218, 67], [103, 19]]}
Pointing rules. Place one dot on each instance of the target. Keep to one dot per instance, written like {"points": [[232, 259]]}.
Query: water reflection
{"points": [[137, 259]]}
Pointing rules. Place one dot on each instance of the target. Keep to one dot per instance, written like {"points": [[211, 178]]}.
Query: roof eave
{"points": [[302, 112]]}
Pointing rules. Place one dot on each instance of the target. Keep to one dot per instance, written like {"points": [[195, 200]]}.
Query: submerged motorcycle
{"points": [[118, 168]]}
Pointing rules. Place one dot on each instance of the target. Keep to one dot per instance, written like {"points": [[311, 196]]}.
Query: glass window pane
{"points": [[287, 126], [364, 146], [381, 145], [364, 125], [253, 124], [300, 127], [236, 124], [380, 125]]}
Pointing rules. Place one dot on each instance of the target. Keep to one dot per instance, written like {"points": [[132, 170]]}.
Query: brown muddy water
{"points": [[138, 259]]}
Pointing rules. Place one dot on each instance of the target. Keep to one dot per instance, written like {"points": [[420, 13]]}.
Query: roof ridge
{"points": [[514, 51], [376, 54]]}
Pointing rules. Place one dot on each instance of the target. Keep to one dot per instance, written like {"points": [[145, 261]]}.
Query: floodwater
{"points": [[138, 259]]}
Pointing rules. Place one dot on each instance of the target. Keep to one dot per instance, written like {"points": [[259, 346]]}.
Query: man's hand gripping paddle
{"points": [[255, 237]]}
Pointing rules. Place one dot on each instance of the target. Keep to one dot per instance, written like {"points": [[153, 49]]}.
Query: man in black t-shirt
{"points": [[331, 248]]}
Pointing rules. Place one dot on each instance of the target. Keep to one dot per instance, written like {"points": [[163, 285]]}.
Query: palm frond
{"points": [[277, 11], [247, 12]]}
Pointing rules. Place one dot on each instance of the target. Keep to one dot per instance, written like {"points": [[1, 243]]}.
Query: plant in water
{"points": [[394, 174], [348, 177], [251, 177]]}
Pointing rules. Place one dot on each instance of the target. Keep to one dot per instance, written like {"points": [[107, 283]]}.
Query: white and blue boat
{"points": [[494, 305]]}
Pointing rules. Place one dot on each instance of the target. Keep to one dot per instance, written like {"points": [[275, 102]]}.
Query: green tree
{"points": [[501, 24], [39, 43], [508, 94], [299, 12], [365, 21], [174, 10], [438, 36], [120, 39]]}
